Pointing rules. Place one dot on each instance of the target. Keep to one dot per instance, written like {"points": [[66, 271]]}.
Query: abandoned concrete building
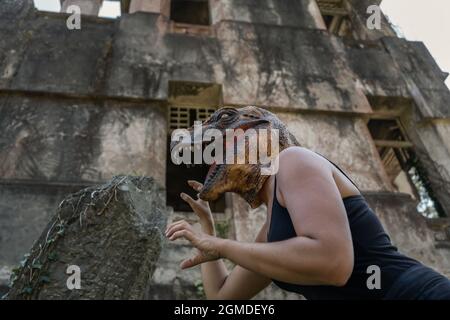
{"points": [[80, 106]]}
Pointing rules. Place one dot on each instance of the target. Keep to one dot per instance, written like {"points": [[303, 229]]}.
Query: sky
{"points": [[418, 20]]}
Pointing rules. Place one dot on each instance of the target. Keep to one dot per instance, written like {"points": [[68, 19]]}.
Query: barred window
{"points": [[184, 117]]}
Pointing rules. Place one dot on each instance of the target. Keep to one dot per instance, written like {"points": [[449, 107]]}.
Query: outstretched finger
{"points": [[173, 224], [197, 186], [183, 233], [192, 262], [177, 227], [187, 198]]}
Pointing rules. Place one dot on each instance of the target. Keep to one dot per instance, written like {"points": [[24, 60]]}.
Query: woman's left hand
{"points": [[207, 245]]}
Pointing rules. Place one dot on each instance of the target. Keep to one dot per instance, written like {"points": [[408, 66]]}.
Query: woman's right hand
{"points": [[201, 208]]}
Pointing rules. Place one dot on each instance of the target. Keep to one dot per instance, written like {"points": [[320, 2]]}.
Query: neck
{"points": [[265, 194]]}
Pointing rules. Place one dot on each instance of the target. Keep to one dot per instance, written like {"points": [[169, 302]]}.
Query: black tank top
{"points": [[371, 246]]}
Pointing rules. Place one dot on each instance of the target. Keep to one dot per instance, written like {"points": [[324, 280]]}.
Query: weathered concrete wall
{"points": [[137, 56], [365, 60], [342, 139], [422, 76], [311, 73], [25, 210], [59, 139], [288, 13]]}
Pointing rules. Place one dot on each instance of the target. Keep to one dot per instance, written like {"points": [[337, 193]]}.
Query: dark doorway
{"points": [[190, 11], [176, 182]]}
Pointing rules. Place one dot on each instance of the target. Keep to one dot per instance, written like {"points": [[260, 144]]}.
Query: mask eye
{"points": [[224, 116]]}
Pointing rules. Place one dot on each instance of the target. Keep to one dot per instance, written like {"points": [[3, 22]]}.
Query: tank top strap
{"points": [[339, 170]]}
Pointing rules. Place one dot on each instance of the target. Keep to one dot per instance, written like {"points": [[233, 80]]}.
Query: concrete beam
{"points": [[155, 6], [88, 7]]}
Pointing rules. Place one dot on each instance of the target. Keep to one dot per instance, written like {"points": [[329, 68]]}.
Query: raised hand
{"points": [[206, 244], [201, 208]]}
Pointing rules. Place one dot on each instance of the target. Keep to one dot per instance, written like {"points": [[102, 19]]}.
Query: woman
{"points": [[319, 239]]}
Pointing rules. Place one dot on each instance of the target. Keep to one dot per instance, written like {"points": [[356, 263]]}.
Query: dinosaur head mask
{"points": [[242, 177]]}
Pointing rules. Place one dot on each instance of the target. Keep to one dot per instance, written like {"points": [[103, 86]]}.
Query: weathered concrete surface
{"points": [[67, 140], [365, 59], [422, 76], [288, 13], [25, 210], [342, 139], [311, 73], [286, 61], [138, 56], [112, 232]]}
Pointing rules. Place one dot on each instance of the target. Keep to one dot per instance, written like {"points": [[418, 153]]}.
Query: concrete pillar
{"points": [[89, 7], [155, 6], [314, 11]]}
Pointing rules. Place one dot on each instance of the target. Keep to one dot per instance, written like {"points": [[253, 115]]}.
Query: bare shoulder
{"points": [[300, 168], [301, 160]]}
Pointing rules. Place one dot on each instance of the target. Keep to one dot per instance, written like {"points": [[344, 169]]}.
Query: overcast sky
{"points": [[418, 20]]}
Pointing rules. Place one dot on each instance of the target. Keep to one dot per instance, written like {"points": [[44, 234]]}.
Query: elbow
{"points": [[340, 279], [341, 272]]}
